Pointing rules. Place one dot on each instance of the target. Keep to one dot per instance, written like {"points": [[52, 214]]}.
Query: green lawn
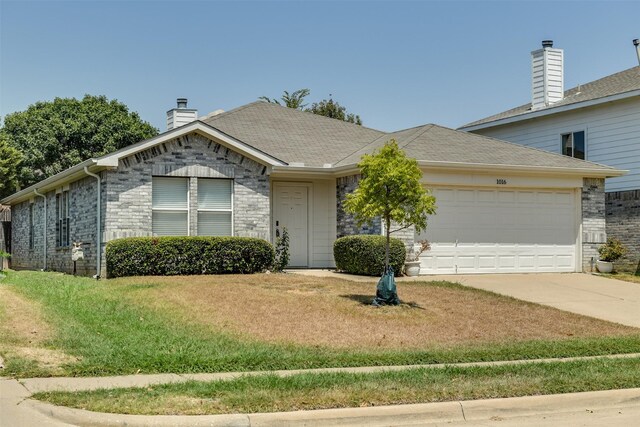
{"points": [[98, 328], [270, 393]]}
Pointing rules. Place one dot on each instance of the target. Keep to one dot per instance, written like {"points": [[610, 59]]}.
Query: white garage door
{"points": [[501, 231]]}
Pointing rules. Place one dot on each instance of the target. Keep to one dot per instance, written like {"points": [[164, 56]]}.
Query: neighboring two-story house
{"points": [[598, 121]]}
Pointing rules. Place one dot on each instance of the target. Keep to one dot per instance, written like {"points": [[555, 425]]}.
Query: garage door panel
{"points": [[496, 230]]}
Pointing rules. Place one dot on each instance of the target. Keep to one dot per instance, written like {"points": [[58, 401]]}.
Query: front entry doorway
{"points": [[290, 210]]}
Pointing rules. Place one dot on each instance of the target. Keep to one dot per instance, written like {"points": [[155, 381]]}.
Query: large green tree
{"points": [[10, 159], [330, 108], [54, 135], [390, 189], [326, 107]]}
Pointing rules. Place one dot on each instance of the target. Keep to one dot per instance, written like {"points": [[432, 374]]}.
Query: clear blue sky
{"points": [[397, 64]]}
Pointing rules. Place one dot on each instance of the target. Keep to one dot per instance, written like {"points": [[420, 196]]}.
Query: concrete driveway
{"points": [[587, 294]]}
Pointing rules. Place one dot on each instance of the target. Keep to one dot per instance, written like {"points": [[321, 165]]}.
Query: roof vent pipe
{"points": [[636, 43]]}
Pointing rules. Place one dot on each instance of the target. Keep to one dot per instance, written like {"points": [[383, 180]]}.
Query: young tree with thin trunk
{"points": [[390, 189]]}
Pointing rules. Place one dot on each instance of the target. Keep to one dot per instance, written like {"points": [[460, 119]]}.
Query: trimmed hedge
{"points": [[166, 256], [364, 254]]}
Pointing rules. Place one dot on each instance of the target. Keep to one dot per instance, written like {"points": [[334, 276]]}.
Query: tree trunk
{"points": [[386, 249]]}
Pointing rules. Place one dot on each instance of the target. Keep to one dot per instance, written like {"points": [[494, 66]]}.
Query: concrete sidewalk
{"points": [[16, 409], [587, 294]]}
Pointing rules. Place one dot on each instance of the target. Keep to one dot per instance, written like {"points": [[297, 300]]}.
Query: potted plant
{"points": [[412, 263], [610, 252]]}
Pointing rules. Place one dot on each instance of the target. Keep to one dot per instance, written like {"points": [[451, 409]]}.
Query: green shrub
{"points": [[612, 251], [166, 256], [364, 254], [281, 251]]}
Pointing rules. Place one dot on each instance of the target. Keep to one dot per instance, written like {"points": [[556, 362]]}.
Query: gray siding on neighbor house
{"points": [[129, 192], [623, 222], [594, 232], [82, 228], [612, 136]]}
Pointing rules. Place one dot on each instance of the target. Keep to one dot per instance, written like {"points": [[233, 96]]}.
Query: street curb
{"points": [[440, 412]]}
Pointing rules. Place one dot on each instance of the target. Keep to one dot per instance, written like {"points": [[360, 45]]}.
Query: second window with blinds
{"points": [[215, 206], [171, 206]]}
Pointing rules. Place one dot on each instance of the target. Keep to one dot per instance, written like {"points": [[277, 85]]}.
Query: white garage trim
{"points": [[503, 230]]}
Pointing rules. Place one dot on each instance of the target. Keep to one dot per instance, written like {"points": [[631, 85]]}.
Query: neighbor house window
{"points": [[62, 225], [215, 207], [573, 145], [31, 226], [170, 206]]}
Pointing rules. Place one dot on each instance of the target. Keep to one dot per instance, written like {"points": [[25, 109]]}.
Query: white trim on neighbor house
{"points": [[551, 110]]}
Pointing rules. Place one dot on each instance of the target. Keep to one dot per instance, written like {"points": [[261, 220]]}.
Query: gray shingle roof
{"points": [[291, 135], [618, 83], [297, 136], [433, 143]]}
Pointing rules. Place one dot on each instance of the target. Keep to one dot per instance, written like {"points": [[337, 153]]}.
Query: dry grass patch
{"points": [[336, 313], [24, 334], [627, 277]]}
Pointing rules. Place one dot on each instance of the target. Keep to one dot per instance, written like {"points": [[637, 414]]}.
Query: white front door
{"points": [[290, 211]]}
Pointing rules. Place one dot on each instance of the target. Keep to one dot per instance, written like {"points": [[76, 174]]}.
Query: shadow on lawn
{"points": [[368, 299]]}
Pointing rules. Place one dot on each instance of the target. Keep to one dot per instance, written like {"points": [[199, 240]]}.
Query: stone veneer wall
{"points": [[82, 228], [623, 222], [593, 220], [346, 224]]}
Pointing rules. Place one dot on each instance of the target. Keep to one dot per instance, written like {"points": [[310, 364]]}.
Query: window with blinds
{"points": [[62, 225], [170, 206], [215, 207]]}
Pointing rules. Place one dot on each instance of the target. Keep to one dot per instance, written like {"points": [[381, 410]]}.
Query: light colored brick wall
{"points": [[129, 192], [594, 232], [82, 228], [127, 202], [623, 222]]}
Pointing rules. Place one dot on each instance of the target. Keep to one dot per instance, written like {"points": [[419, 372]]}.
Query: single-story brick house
{"points": [[250, 171]]}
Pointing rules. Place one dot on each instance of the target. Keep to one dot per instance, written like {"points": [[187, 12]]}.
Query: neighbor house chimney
{"points": [[547, 75], [181, 115], [636, 43]]}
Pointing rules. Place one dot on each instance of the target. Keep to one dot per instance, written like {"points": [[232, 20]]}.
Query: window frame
{"points": [[31, 227], [63, 233], [187, 210], [572, 133], [229, 211]]}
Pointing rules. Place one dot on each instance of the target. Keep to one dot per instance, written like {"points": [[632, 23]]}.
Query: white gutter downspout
{"points": [[44, 231], [98, 224]]}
